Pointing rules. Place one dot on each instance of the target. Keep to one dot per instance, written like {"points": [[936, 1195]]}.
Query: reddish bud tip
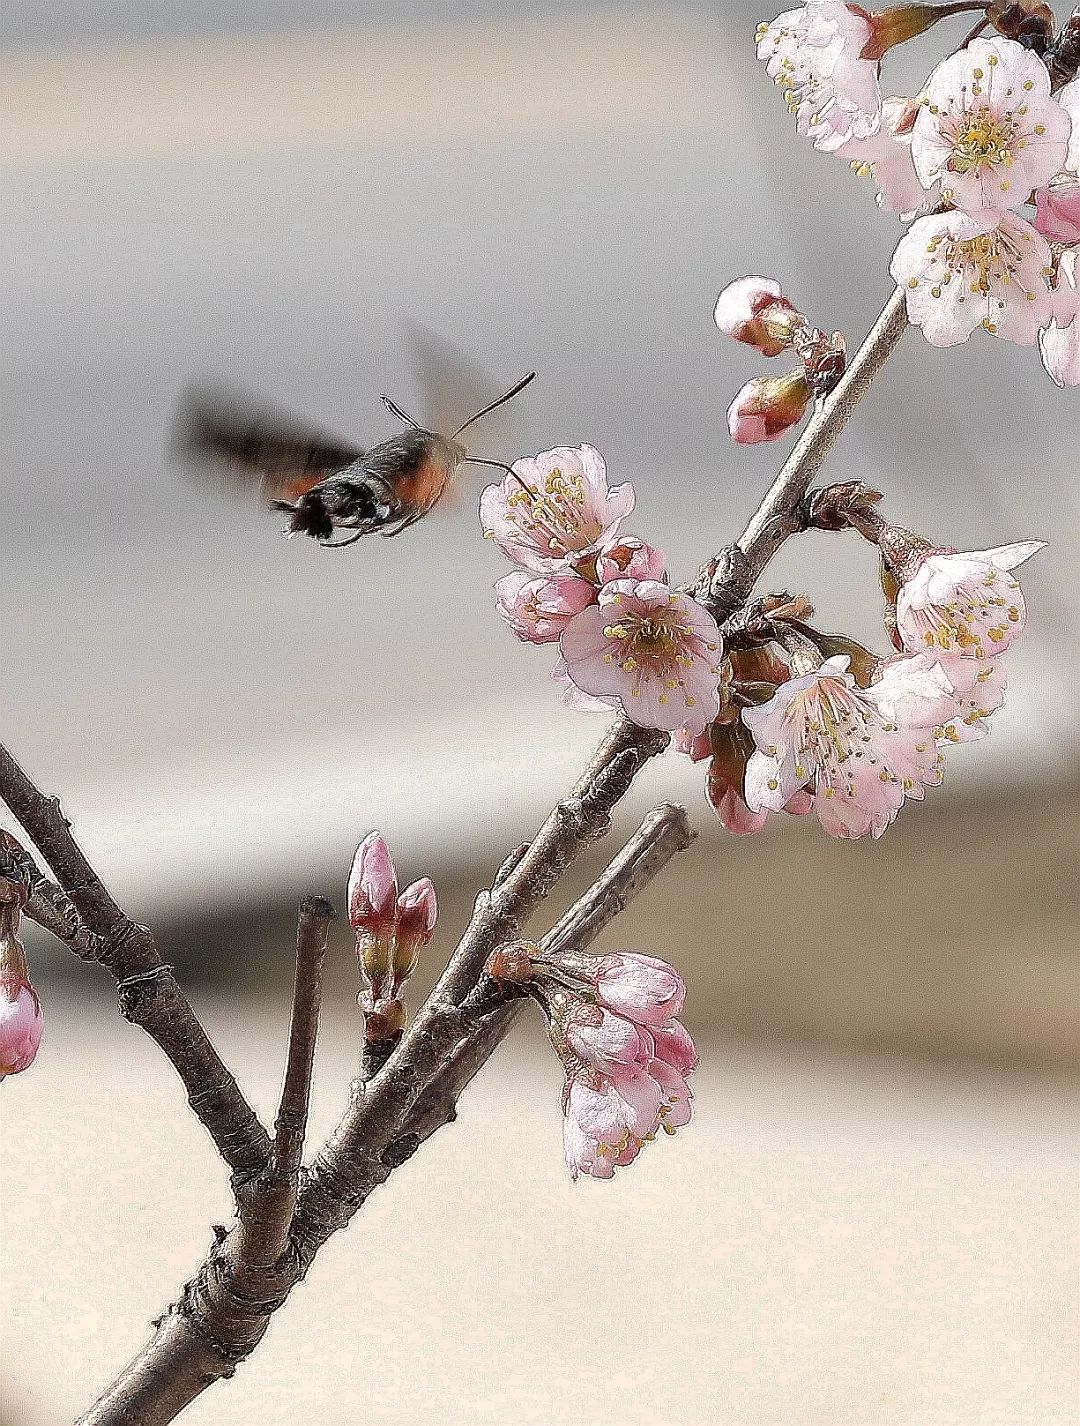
{"points": [[372, 888], [21, 1020]]}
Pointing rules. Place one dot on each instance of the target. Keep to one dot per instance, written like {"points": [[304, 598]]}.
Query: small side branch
{"points": [[313, 927], [81, 912]]}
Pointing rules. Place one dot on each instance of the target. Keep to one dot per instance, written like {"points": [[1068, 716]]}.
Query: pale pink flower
{"points": [[627, 557], [961, 272], [555, 508], [814, 54], [372, 888], [886, 157], [674, 1046], [754, 310], [1059, 341], [538, 607], [964, 603], [677, 1102], [1069, 99], [989, 130], [656, 651], [1057, 211], [572, 696], [641, 988], [861, 752], [606, 1122], [768, 407], [604, 1041], [979, 687], [21, 1021]]}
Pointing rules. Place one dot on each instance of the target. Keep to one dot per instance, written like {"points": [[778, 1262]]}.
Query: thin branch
{"points": [[777, 518], [203, 1338], [83, 914], [290, 1127]]}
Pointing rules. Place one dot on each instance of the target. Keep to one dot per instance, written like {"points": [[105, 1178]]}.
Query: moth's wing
{"points": [[249, 443], [452, 386]]}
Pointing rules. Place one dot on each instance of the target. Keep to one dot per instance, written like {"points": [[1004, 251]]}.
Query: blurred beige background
{"points": [[872, 1220]]}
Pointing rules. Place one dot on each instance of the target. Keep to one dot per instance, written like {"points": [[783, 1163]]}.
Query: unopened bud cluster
{"points": [[613, 1022], [391, 931], [754, 310]]}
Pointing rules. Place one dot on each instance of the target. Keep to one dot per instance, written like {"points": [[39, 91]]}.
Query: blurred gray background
{"points": [[283, 198]]}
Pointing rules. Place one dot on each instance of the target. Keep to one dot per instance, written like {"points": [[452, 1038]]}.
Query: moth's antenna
{"points": [[395, 410], [501, 465], [496, 404]]}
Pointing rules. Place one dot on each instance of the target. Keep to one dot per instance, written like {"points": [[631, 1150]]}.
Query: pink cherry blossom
{"points": [[605, 1041], [989, 130], [606, 1122], [572, 696], [861, 752], [1069, 99], [641, 988], [677, 1102], [21, 1021], [979, 688], [814, 54], [960, 273], [627, 557], [965, 604], [555, 508], [675, 1047], [768, 407], [656, 651], [886, 157], [1057, 210], [372, 888], [754, 310], [1059, 341], [539, 607]]}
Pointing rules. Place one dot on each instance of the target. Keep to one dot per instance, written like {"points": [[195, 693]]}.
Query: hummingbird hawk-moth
{"points": [[322, 485]]}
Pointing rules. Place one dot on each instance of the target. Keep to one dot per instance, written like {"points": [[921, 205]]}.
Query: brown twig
{"points": [[290, 1127]]}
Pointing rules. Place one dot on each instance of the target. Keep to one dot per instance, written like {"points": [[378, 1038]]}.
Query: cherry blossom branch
{"points": [[82, 912], [225, 1309], [664, 832]]}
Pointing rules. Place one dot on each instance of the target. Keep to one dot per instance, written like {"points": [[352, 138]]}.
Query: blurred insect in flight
{"points": [[325, 487]]}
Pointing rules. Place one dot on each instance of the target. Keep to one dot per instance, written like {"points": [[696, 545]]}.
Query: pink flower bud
{"points": [[629, 558], [372, 888], [755, 311], [1057, 211], [767, 407], [606, 1042], [539, 607], [641, 988], [21, 1020], [417, 909]]}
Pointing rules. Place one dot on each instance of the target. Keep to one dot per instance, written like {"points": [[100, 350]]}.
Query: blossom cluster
{"points": [[814, 724], [986, 160], [626, 639], [613, 1022]]}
